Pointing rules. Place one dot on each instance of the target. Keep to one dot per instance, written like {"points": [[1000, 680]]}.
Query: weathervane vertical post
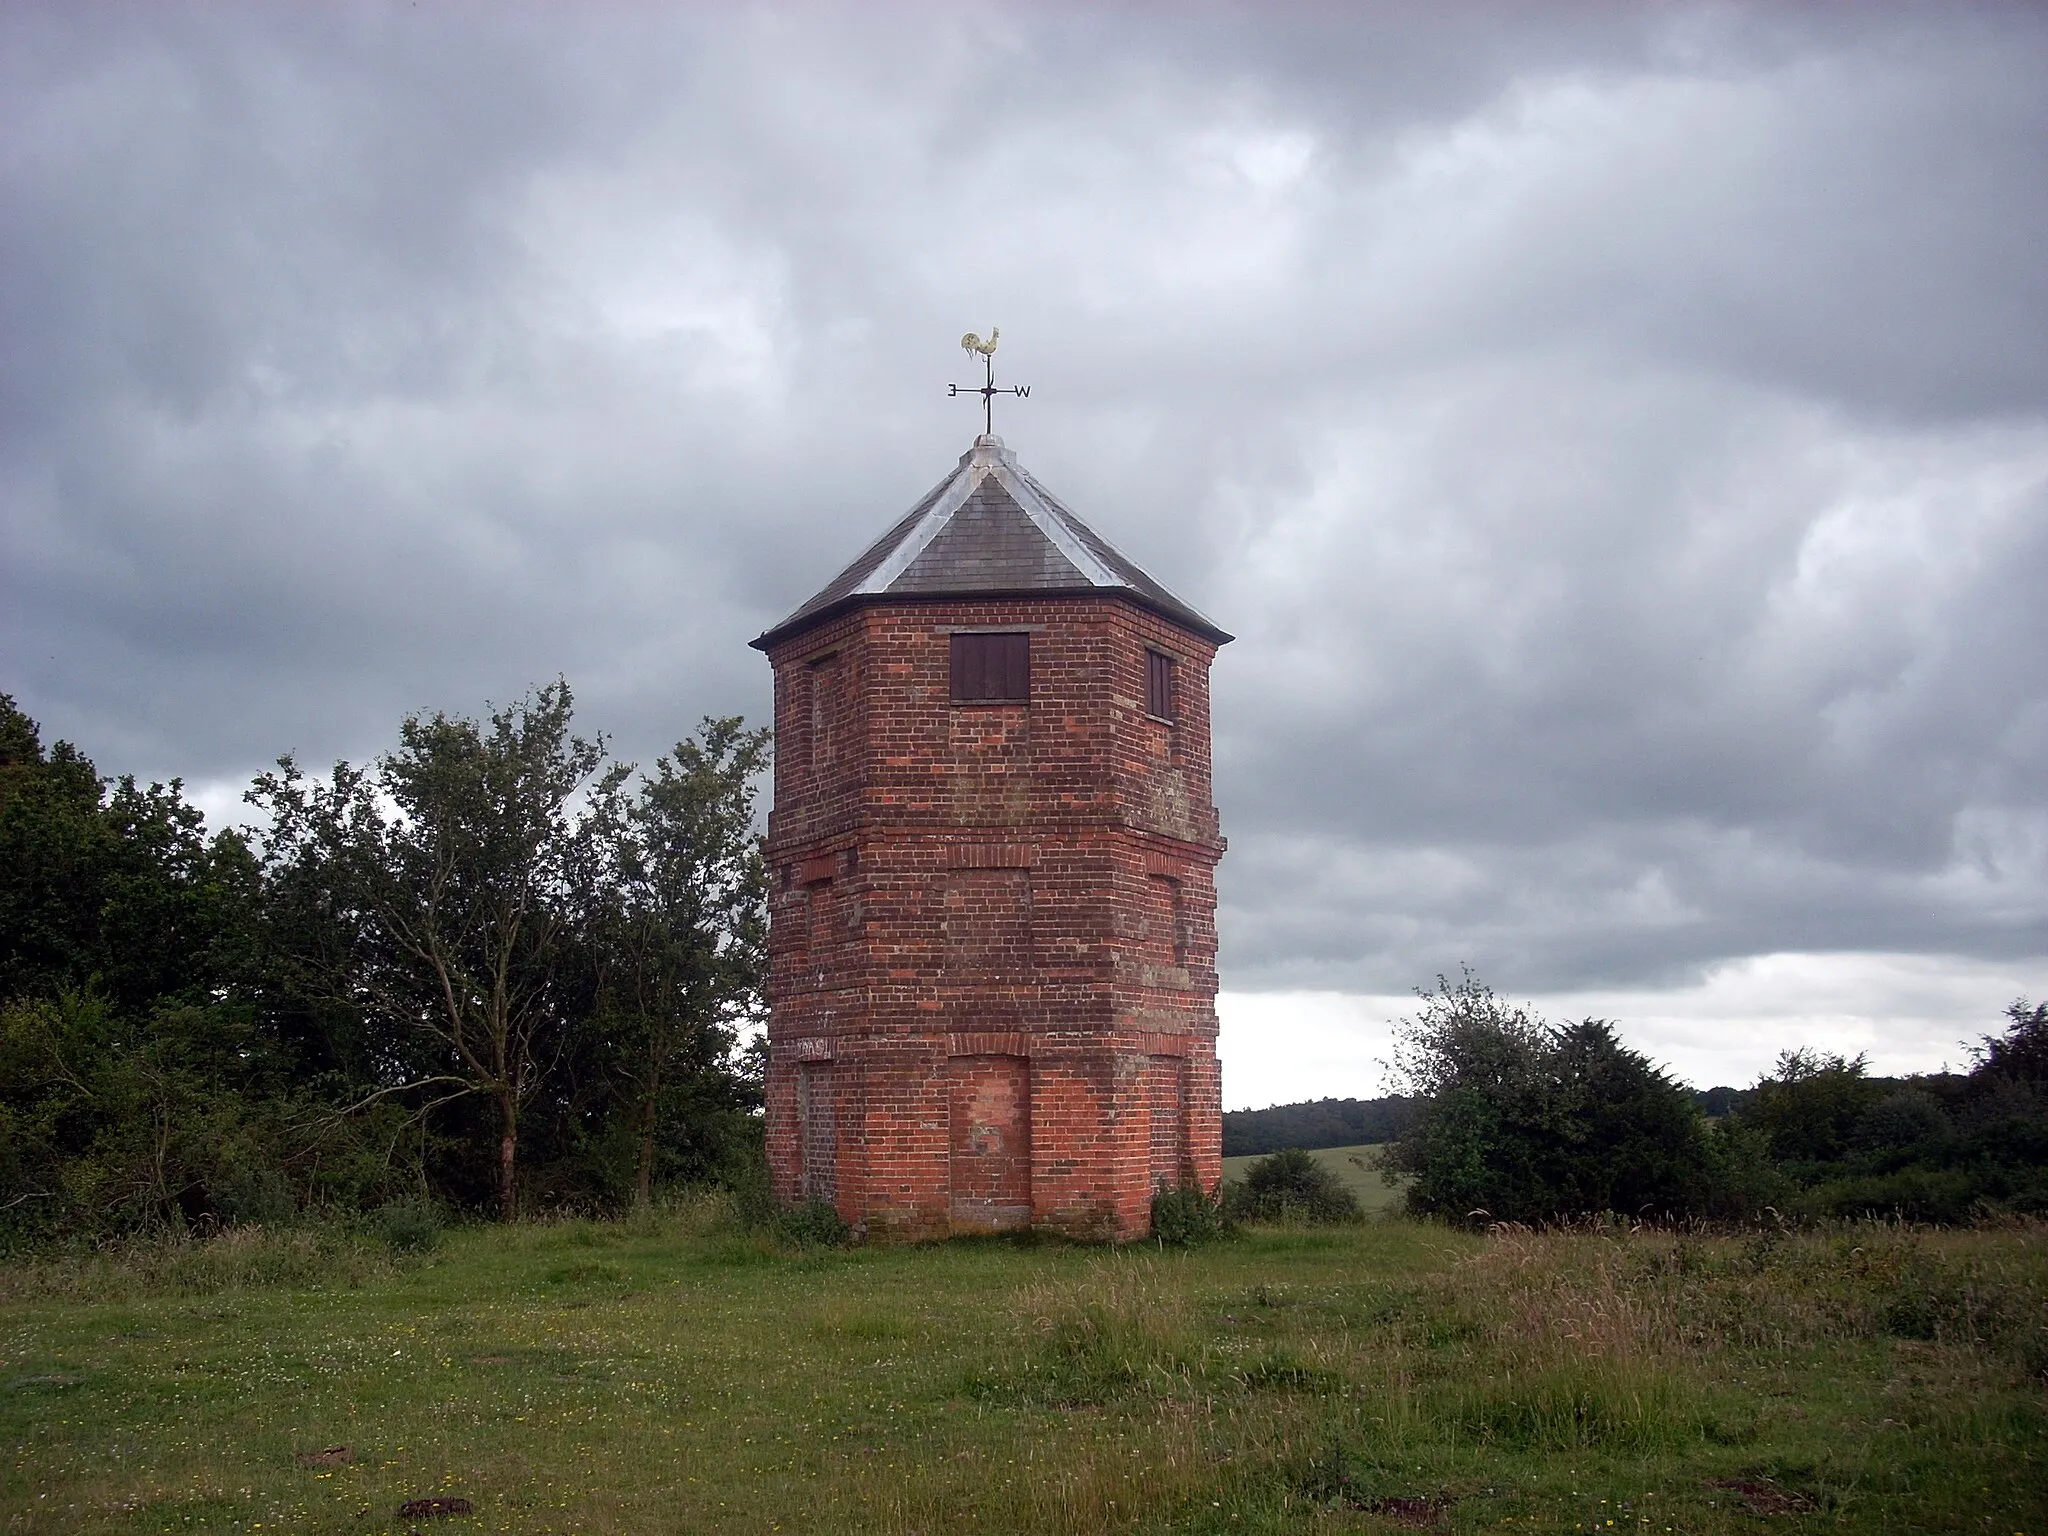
{"points": [[972, 344]]}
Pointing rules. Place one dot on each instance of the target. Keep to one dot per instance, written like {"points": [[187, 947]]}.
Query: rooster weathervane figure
{"points": [[973, 345]]}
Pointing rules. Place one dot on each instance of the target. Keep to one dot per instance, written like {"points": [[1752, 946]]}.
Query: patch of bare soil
{"points": [[1416, 1513], [430, 1509], [1764, 1498]]}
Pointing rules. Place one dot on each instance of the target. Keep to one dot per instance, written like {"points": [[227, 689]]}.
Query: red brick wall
{"points": [[1168, 1163], [989, 1148], [992, 905]]}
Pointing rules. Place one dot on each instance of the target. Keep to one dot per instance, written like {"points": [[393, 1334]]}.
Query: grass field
{"points": [[668, 1376], [1358, 1167]]}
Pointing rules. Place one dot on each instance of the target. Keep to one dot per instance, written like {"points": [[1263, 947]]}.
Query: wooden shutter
{"points": [[991, 669], [1159, 685], [1013, 654]]}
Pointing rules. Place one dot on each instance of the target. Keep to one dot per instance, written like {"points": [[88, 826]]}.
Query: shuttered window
{"points": [[1159, 698], [991, 669]]}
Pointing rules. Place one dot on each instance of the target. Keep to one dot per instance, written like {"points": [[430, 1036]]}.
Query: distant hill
{"points": [[1323, 1123], [1353, 1122]]}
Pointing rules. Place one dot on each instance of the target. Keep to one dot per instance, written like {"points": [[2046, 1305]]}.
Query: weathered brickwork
{"points": [[993, 936]]}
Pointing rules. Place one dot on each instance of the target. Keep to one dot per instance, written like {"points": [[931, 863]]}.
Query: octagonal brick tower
{"points": [[993, 922]]}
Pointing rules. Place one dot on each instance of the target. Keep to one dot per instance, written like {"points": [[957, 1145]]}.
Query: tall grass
{"points": [[1620, 1293], [182, 1264], [317, 1255], [1629, 1345], [682, 1370]]}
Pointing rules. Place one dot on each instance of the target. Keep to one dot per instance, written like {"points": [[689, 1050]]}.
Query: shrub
{"points": [[1292, 1186], [747, 1186], [1942, 1195], [408, 1226], [812, 1224], [1188, 1217], [255, 1197]]}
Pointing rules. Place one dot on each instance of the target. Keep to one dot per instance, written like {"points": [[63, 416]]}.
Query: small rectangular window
{"points": [[1159, 699], [992, 669]]}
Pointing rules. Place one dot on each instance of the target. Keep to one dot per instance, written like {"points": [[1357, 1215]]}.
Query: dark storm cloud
{"points": [[1619, 438]]}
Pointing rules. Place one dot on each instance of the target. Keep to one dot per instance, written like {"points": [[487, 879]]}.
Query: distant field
{"points": [[1358, 1167], [671, 1375]]}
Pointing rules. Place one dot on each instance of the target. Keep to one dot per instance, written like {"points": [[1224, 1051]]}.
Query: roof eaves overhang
{"points": [[790, 628]]}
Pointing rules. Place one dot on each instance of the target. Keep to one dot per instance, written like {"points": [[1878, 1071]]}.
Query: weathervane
{"points": [[971, 344]]}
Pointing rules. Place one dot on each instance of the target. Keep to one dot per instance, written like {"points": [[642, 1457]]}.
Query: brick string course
{"points": [[993, 926]]}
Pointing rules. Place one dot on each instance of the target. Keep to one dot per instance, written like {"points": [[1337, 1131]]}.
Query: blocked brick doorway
{"points": [[817, 1109], [989, 1103], [1166, 1093]]}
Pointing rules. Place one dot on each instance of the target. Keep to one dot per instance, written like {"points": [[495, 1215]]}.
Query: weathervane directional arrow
{"points": [[972, 344]]}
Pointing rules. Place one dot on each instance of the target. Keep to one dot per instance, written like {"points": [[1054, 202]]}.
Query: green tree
{"points": [[446, 873], [1808, 1109], [2021, 1054], [1526, 1121], [53, 853], [135, 1081], [675, 894], [1941, 1147], [1476, 1065], [1630, 1139], [112, 885]]}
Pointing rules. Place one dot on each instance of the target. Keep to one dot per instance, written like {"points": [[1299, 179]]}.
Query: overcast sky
{"points": [[1617, 435]]}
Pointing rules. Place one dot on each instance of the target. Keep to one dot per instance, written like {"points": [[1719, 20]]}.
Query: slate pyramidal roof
{"points": [[988, 530]]}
